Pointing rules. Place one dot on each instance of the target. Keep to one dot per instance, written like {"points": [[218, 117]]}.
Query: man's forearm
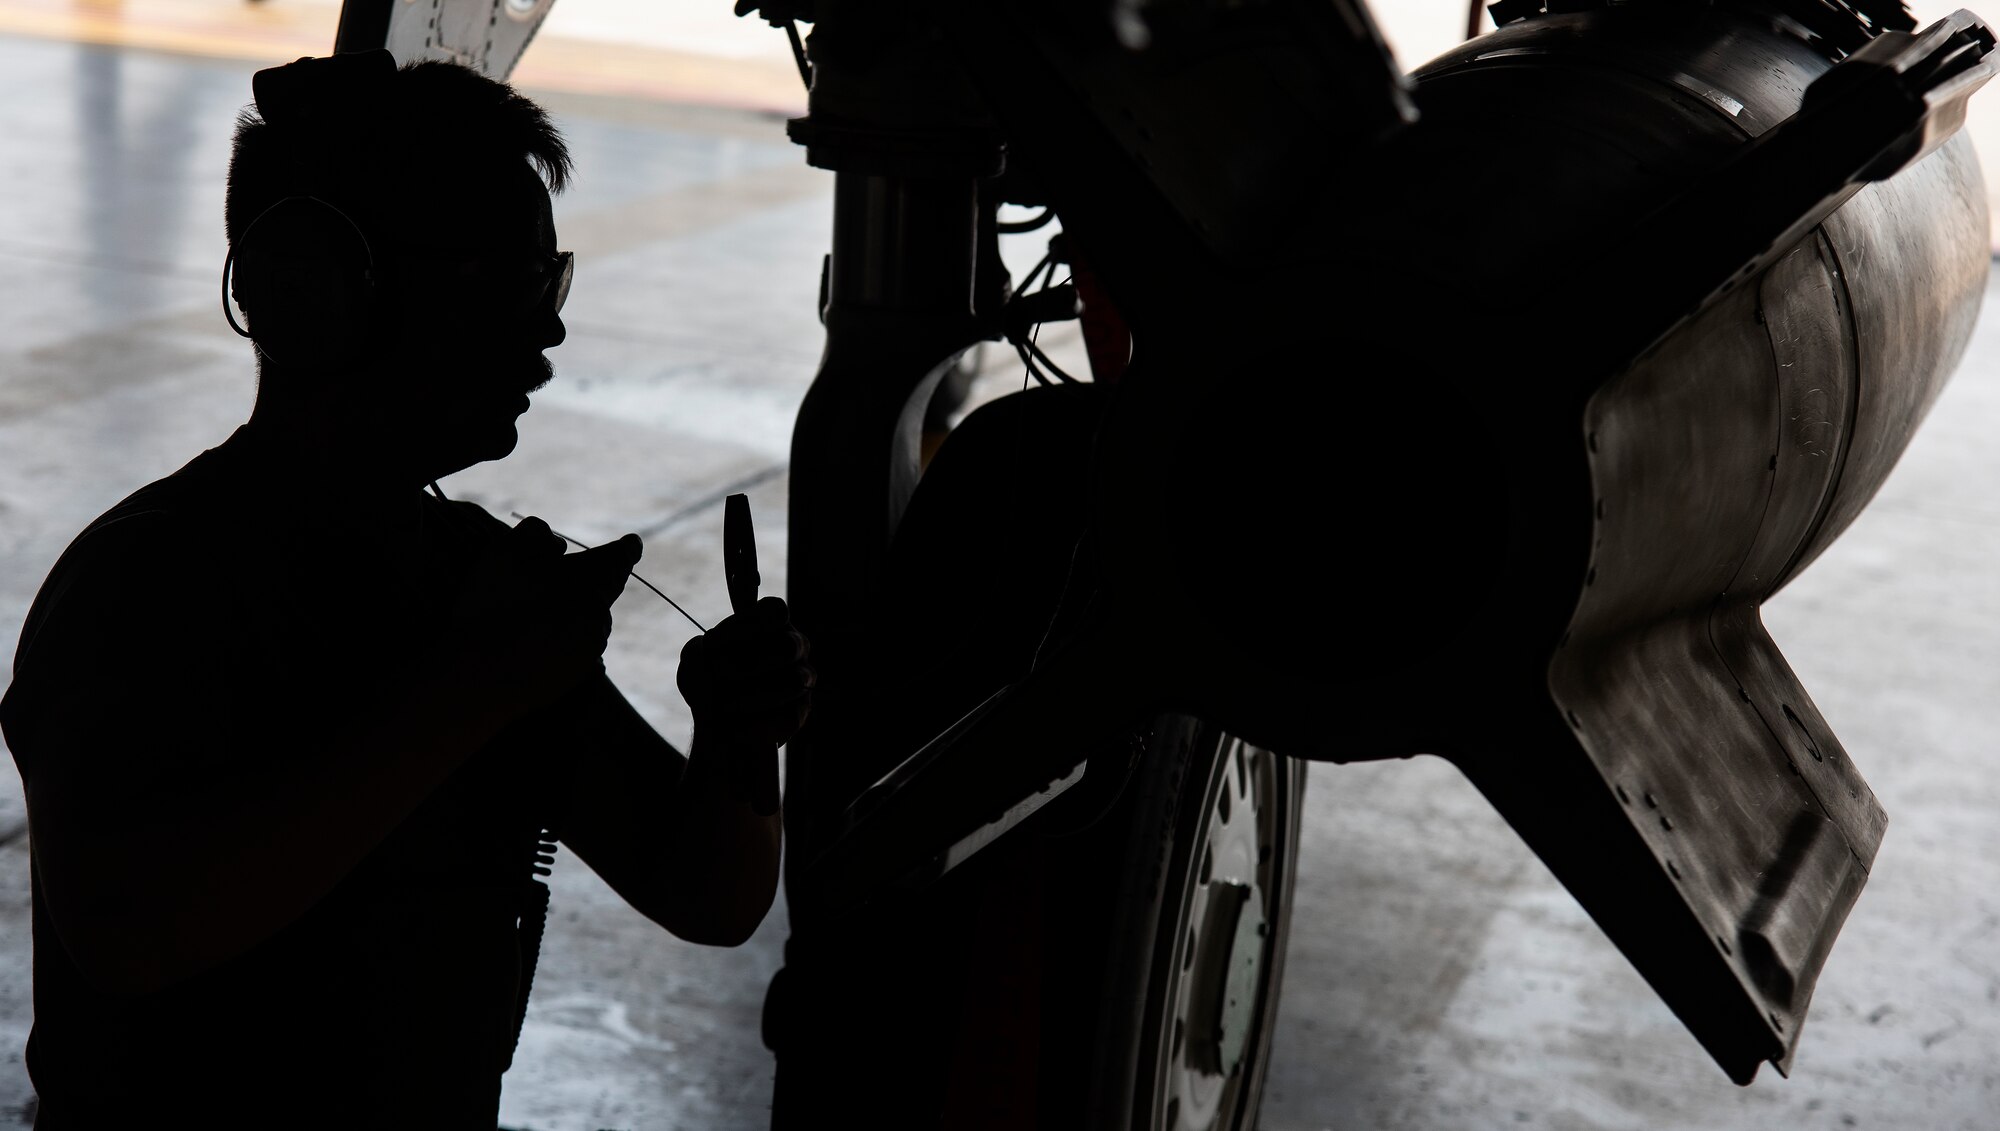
{"points": [[725, 854], [672, 835]]}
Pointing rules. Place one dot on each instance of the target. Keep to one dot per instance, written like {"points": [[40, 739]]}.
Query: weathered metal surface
{"points": [[486, 35], [1684, 450], [1914, 252], [1722, 463]]}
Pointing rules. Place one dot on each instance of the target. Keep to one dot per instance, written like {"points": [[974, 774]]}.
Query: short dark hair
{"points": [[427, 119]]}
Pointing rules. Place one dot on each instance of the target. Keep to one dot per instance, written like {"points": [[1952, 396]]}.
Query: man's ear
{"points": [[304, 274]]}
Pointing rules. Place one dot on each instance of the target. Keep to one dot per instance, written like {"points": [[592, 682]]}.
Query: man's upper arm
{"points": [[128, 668]]}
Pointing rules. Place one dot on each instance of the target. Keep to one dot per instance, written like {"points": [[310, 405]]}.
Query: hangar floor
{"points": [[1438, 980]]}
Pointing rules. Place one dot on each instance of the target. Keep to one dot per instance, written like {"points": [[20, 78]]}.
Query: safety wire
{"points": [[629, 573], [634, 576], [534, 918]]}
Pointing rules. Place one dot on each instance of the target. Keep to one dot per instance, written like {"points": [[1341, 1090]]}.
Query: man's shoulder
{"points": [[185, 503], [97, 617], [143, 525], [162, 541], [161, 527]]}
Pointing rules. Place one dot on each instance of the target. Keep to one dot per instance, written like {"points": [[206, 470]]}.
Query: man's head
{"points": [[395, 255]]}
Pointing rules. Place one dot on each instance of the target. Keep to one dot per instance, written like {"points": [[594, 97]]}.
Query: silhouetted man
{"points": [[289, 726]]}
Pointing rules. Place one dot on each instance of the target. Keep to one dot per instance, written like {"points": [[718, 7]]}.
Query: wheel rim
{"points": [[1211, 1033]]}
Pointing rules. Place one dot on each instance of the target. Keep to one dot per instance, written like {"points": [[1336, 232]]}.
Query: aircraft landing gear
{"points": [[1199, 937]]}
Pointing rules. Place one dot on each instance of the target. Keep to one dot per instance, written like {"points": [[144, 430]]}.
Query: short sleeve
{"points": [[131, 662]]}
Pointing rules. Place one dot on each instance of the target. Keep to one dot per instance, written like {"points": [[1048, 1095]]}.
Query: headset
{"points": [[321, 314], [317, 296]]}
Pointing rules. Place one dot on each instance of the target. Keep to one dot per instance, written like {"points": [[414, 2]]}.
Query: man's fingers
{"points": [[622, 553], [772, 611], [632, 546], [533, 535], [741, 643], [603, 570], [772, 650], [749, 677]]}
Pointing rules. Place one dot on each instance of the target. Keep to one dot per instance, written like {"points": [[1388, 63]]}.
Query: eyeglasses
{"points": [[479, 281], [557, 271]]}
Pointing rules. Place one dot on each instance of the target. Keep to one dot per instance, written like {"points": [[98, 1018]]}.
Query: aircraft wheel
{"points": [[1199, 938]]}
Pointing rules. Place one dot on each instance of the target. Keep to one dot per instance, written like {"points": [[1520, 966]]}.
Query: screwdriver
{"points": [[739, 573]]}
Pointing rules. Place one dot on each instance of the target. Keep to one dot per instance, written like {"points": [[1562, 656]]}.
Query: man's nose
{"points": [[552, 332]]}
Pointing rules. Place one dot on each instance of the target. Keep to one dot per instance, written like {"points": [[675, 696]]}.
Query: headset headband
{"points": [[299, 100], [303, 92]]}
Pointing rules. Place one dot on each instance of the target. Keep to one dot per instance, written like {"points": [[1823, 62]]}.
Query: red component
{"points": [[1106, 338]]}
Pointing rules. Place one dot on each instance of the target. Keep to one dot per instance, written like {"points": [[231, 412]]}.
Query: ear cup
{"points": [[305, 276]]}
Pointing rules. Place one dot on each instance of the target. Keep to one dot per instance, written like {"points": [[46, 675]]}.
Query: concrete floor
{"points": [[1438, 979]]}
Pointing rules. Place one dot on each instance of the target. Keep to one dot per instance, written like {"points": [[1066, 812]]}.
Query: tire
{"points": [[1196, 936], [954, 389]]}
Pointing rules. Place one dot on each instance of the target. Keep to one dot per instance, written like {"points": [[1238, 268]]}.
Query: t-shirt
{"points": [[187, 632]]}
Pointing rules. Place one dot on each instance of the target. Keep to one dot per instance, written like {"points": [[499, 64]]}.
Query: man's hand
{"points": [[748, 682], [532, 620]]}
